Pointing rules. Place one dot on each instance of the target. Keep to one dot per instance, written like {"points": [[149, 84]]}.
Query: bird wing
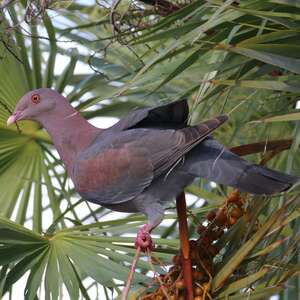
{"points": [[116, 174], [187, 139], [171, 115], [123, 165]]}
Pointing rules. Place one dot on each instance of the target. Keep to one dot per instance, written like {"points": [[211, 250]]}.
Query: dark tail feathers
{"points": [[212, 161], [260, 180]]}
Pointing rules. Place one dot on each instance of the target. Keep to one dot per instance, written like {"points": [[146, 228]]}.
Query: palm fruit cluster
{"points": [[202, 254]]}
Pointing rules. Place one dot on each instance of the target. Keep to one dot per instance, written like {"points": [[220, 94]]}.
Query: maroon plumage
{"points": [[144, 160]]}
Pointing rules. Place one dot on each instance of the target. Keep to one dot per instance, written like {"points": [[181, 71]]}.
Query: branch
{"points": [[163, 7], [185, 245], [274, 145], [131, 274], [6, 3]]}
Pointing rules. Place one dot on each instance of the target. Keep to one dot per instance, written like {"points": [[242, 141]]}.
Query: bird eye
{"points": [[35, 98]]}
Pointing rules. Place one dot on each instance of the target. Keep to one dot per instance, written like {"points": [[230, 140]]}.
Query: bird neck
{"points": [[70, 133]]}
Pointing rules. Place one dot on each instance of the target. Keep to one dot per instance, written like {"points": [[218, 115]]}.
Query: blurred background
{"points": [[109, 57]]}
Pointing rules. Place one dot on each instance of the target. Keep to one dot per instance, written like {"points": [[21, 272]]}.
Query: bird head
{"points": [[34, 105]]}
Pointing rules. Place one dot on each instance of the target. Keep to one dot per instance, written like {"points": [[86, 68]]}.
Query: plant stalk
{"points": [[185, 245]]}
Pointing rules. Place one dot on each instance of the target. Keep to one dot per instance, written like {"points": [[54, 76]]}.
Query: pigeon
{"points": [[144, 160]]}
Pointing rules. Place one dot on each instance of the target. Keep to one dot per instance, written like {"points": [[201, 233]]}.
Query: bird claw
{"points": [[143, 239]]}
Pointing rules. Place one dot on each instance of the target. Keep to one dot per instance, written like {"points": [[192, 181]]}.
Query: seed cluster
{"points": [[202, 254]]}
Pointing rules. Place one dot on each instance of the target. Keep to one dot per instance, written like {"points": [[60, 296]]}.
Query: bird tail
{"points": [[261, 180], [213, 162]]}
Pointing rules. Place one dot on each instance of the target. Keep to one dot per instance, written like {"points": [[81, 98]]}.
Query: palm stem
{"points": [[185, 245]]}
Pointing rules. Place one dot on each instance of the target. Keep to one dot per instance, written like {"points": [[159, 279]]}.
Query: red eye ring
{"points": [[35, 98]]}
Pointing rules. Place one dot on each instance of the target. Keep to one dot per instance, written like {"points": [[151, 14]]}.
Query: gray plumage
{"points": [[153, 134], [147, 158]]}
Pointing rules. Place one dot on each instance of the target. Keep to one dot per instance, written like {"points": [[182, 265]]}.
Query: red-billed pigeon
{"points": [[145, 159]]}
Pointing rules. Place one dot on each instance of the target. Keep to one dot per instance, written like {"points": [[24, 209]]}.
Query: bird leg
{"points": [[155, 214], [185, 245], [143, 239], [143, 242]]}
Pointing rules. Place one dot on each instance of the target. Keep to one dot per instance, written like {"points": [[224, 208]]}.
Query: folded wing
{"points": [[121, 166], [171, 115]]}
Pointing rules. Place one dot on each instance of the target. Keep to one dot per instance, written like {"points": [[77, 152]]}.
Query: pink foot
{"points": [[143, 239]]}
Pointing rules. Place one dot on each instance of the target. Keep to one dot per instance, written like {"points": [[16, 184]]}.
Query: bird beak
{"points": [[14, 117]]}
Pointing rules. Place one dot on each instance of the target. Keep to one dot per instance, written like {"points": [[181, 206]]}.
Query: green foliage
{"points": [[242, 59]]}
